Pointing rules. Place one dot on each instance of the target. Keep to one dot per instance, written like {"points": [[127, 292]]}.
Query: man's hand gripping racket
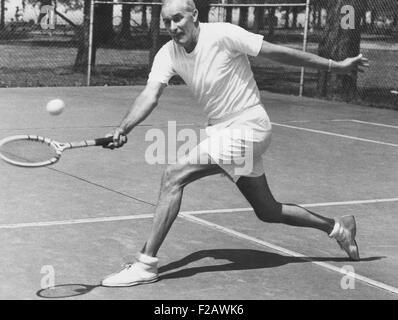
{"points": [[118, 139]]}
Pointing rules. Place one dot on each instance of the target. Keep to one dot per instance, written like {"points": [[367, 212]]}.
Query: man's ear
{"points": [[195, 15]]}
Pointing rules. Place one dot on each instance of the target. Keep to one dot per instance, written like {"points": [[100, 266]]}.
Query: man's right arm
{"points": [[142, 107]]}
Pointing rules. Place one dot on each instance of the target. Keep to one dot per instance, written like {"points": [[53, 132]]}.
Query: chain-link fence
{"points": [[126, 35], [374, 29], [38, 46], [147, 34]]}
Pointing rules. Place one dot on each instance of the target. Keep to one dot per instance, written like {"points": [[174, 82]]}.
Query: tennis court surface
{"points": [[81, 219]]}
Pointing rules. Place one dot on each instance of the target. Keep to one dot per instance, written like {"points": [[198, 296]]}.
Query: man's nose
{"points": [[173, 26]]}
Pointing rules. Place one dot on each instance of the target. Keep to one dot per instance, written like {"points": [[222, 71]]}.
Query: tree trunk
{"points": [[319, 18], [294, 22], [228, 15], [373, 17], [259, 19], [364, 8], [287, 13], [204, 9], [395, 19], [338, 43], [81, 59], [313, 14], [243, 17], [144, 21], [271, 21], [155, 32], [2, 13], [103, 26], [125, 32]]}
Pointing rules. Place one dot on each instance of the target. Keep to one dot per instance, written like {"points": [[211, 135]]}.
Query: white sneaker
{"points": [[145, 270], [344, 232]]}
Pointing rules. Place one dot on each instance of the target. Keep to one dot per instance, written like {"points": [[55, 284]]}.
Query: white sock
{"points": [[335, 230], [151, 261]]}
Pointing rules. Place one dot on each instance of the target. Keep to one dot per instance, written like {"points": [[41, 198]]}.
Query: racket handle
{"points": [[103, 141]]}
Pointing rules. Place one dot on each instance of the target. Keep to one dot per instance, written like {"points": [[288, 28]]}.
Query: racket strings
{"points": [[27, 151]]}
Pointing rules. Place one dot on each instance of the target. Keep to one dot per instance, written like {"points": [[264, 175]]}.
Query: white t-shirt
{"points": [[217, 71]]}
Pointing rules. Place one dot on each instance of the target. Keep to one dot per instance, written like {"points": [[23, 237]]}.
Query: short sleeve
{"points": [[237, 39], [162, 67]]}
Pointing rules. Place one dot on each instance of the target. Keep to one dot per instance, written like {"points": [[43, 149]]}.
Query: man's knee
{"points": [[173, 177]]}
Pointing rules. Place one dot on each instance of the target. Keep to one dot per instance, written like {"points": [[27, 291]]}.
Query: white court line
{"points": [[189, 215], [335, 134], [325, 265], [375, 124], [75, 221], [366, 122], [305, 205], [195, 212], [344, 203], [298, 121]]}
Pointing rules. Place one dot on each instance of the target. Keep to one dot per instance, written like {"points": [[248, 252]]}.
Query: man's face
{"points": [[179, 22]]}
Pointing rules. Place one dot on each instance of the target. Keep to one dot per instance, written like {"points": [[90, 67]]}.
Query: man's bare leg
{"points": [[257, 192], [174, 179]]}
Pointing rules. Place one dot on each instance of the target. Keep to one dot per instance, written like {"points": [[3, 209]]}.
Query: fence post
{"points": [[307, 13]]}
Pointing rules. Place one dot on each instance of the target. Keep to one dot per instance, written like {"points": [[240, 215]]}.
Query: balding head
{"points": [[188, 5], [180, 18]]}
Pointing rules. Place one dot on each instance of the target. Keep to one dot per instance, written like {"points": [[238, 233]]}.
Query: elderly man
{"points": [[212, 60]]}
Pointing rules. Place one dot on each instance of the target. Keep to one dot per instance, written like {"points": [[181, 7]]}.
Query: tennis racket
{"points": [[33, 151]]}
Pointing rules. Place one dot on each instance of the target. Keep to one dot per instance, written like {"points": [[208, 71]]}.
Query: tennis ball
{"points": [[55, 107]]}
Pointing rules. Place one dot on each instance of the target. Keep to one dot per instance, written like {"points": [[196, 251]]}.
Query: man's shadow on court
{"points": [[239, 259]]}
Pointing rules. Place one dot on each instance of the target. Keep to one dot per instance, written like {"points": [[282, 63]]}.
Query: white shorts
{"points": [[237, 143]]}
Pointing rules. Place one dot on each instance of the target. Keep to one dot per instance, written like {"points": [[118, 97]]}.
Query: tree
{"points": [[2, 13], [125, 32], [317, 6], [70, 4], [339, 42], [287, 13], [144, 22], [204, 9], [103, 33], [271, 21], [363, 15], [259, 18], [384, 9], [259, 14], [295, 11], [155, 32], [81, 59], [103, 23], [228, 13], [243, 17]]}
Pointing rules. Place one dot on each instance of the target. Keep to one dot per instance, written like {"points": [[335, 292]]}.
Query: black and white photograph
{"points": [[201, 155]]}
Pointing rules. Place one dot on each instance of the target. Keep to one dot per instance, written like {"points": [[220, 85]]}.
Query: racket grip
{"points": [[103, 141]]}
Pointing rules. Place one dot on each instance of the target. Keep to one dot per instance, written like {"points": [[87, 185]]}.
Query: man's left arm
{"points": [[299, 58]]}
